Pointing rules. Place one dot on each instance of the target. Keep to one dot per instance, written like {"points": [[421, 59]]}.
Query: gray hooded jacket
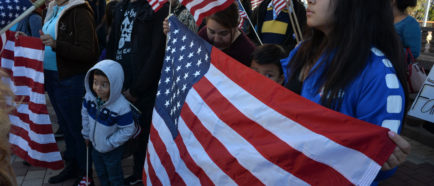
{"points": [[111, 124]]}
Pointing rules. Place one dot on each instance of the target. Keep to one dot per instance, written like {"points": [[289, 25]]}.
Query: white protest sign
{"points": [[423, 105]]}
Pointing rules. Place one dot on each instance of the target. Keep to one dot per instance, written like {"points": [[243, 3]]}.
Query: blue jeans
{"points": [[108, 166], [66, 97]]}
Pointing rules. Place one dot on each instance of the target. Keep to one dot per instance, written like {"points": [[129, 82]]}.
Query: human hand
{"points": [[129, 97], [166, 27], [399, 155], [19, 33], [86, 141], [47, 40]]}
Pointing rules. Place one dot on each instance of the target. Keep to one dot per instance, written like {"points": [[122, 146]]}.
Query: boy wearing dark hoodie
{"points": [[107, 120]]}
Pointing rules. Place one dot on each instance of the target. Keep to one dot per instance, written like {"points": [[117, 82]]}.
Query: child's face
{"points": [[270, 71], [101, 86]]}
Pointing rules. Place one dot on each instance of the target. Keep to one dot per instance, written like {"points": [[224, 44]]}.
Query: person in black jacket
{"points": [[137, 42], [276, 30]]}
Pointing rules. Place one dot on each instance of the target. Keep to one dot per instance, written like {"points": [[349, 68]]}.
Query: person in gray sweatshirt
{"points": [[107, 120]]}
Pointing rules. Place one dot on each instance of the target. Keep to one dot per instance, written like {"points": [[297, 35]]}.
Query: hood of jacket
{"points": [[69, 5], [115, 74]]}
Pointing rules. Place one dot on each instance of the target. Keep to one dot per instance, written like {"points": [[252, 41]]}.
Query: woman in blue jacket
{"points": [[352, 63]]}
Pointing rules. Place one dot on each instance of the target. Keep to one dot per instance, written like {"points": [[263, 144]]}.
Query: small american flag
{"points": [[256, 3], [157, 4], [11, 9], [31, 135], [242, 13], [202, 8], [278, 6], [217, 122]]}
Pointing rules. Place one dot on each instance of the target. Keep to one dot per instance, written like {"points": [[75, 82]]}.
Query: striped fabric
{"points": [[278, 6], [31, 134], [255, 3], [242, 14], [157, 4], [212, 126], [202, 8]]}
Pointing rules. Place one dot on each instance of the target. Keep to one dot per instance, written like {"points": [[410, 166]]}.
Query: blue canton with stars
{"points": [[187, 59], [11, 9]]}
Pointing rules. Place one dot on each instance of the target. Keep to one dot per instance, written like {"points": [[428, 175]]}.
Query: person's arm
{"points": [[413, 38], [125, 129], [84, 49], [381, 101], [85, 121], [35, 22]]}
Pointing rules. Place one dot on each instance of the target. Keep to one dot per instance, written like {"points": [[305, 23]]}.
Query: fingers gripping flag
{"points": [[217, 122], [31, 135], [11, 9]]}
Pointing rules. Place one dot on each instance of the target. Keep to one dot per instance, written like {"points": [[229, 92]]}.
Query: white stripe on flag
{"points": [[157, 165], [243, 151], [201, 158], [10, 45], [7, 63], [34, 154], [166, 137], [27, 91], [29, 53], [30, 73], [209, 6], [146, 169], [313, 145], [39, 119], [38, 138]]}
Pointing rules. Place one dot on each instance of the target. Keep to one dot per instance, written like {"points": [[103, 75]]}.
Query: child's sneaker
{"points": [[132, 180]]}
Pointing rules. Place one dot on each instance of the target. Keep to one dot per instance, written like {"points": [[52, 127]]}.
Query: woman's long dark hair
{"points": [[359, 25]]}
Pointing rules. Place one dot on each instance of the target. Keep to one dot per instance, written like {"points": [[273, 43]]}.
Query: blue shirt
{"points": [[409, 31], [50, 62], [375, 96]]}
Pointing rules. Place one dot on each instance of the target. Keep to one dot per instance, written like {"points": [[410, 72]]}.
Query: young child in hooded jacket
{"points": [[107, 120]]}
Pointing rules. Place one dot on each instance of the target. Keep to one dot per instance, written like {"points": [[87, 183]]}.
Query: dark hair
{"points": [[228, 17], [358, 25], [98, 73], [404, 4], [269, 54]]}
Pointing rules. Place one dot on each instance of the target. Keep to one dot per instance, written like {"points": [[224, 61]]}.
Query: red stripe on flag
{"points": [[152, 176], [189, 162], [29, 63], [217, 151], [34, 107], [331, 124], [28, 82], [56, 165], [162, 153], [37, 128], [43, 148], [276, 150], [30, 42]]}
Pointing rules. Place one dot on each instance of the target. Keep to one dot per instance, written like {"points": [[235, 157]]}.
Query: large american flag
{"points": [[202, 8], [11, 9], [31, 134], [216, 122]]}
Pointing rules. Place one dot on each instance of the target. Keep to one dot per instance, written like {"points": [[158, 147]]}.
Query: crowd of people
{"points": [[351, 61]]}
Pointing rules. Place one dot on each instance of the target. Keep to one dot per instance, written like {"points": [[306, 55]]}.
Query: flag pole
{"points": [[296, 20], [292, 22], [251, 24], [36, 5]]}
